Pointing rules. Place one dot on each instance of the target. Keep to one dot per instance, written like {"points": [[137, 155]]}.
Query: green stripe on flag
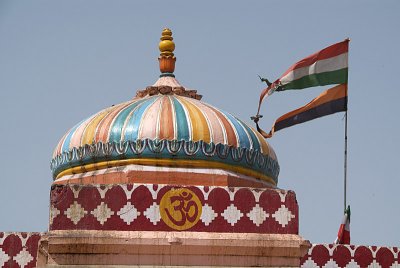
{"points": [[319, 79]]}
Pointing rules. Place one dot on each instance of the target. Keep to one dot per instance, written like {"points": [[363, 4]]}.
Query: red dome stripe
{"points": [[102, 132], [230, 132], [166, 122]]}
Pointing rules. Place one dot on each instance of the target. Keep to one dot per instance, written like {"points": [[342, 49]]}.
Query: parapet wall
{"points": [[18, 249], [152, 207], [343, 256]]}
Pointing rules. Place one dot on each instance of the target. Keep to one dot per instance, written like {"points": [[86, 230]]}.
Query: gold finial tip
{"points": [[166, 32], [167, 58], [166, 46]]}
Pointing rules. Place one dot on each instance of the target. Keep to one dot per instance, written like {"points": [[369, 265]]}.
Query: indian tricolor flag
{"points": [[328, 102], [326, 67], [344, 230]]}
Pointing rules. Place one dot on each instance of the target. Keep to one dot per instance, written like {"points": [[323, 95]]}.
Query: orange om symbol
{"points": [[180, 208]]}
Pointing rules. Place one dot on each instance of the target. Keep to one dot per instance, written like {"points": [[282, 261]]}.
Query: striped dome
{"points": [[166, 126]]}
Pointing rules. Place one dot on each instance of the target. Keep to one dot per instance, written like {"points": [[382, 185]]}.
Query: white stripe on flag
{"points": [[321, 66]]}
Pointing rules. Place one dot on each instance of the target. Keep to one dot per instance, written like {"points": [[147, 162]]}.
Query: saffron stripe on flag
{"points": [[329, 102], [319, 111], [326, 53]]}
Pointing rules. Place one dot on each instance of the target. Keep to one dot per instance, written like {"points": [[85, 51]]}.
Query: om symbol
{"points": [[180, 208]]}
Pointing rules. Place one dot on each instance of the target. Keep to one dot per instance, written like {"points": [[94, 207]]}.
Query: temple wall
{"points": [[155, 224], [343, 256], [18, 249], [152, 207]]}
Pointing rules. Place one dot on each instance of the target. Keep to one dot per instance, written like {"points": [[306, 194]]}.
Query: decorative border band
{"points": [[19, 249], [165, 163], [343, 256], [151, 207], [247, 159]]}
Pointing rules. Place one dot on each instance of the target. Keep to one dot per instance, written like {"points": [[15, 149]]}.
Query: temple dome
{"points": [[167, 127]]}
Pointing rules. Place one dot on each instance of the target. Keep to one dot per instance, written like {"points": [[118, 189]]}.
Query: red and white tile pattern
{"points": [[18, 249], [346, 256], [129, 207]]}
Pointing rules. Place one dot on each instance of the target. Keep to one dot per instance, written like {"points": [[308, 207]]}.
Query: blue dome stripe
{"points": [[256, 142], [118, 124], [133, 132], [181, 121], [243, 138]]}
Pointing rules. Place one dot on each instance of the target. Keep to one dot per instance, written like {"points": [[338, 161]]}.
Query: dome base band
{"points": [[166, 163]]}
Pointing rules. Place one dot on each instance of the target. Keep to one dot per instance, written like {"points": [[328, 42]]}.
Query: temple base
{"points": [[166, 249]]}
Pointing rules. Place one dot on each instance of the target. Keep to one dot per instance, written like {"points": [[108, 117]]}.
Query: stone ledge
{"points": [[172, 248]]}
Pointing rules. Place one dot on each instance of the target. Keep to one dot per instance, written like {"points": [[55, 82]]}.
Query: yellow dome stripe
{"points": [[200, 128], [166, 163], [88, 136]]}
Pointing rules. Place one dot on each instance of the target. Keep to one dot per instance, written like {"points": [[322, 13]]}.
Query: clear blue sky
{"points": [[61, 61]]}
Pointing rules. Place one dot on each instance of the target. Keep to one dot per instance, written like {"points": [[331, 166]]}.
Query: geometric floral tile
{"points": [[257, 215], [283, 215], [75, 212], [19, 249], [208, 215], [331, 264], [309, 263], [153, 213], [3, 257], [102, 213], [23, 258], [232, 215], [352, 264], [374, 264], [54, 212], [128, 213]]}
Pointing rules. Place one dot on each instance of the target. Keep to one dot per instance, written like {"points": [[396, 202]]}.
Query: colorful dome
{"points": [[165, 125]]}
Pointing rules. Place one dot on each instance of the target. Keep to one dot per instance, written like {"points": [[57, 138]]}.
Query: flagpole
{"points": [[345, 145], [345, 161]]}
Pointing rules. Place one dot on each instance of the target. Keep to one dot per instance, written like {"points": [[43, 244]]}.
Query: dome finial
{"points": [[167, 58]]}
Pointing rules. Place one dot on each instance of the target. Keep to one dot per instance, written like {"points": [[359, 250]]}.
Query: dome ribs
{"points": [[166, 121], [199, 125]]}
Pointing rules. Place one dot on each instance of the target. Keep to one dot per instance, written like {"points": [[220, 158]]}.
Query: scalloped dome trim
{"points": [[181, 153]]}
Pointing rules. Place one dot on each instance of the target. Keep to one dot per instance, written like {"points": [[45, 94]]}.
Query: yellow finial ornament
{"points": [[167, 58], [166, 46]]}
